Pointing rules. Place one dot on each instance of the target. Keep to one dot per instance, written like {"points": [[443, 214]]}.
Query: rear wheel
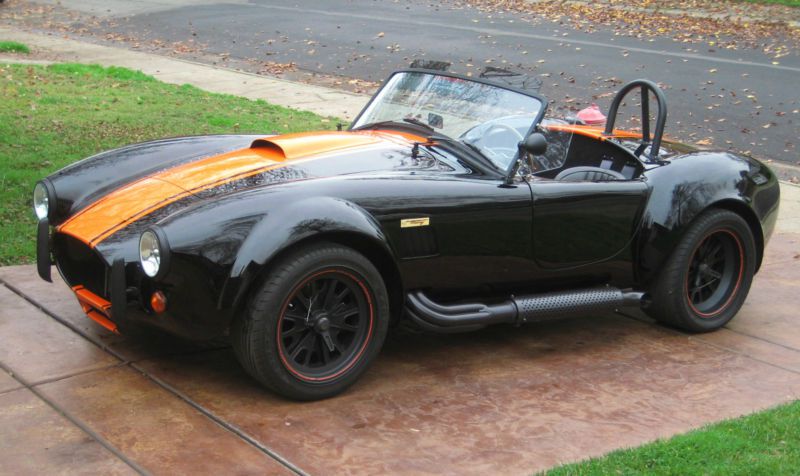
{"points": [[315, 324], [706, 280]]}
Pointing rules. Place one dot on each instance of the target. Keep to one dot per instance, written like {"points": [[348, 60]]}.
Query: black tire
{"points": [[354, 315], [706, 280]]}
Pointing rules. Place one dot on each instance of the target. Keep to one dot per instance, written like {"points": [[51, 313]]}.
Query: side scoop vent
{"points": [[417, 242]]}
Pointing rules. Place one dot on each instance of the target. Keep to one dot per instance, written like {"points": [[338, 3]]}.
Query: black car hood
{"points": [[147, 198], [84, 182]]}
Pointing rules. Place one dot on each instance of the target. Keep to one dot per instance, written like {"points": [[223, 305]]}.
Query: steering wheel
{"points": [[499, 154], [500, 125]]}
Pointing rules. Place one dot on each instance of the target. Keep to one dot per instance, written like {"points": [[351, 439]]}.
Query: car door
{"points": [[579, 223], [459, 232]]}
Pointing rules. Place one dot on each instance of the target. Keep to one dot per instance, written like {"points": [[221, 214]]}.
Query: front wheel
{"points": [[315, 324], [706, 280]]}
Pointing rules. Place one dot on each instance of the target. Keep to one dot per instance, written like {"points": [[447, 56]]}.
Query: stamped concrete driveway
{"points": [[75, 398]]}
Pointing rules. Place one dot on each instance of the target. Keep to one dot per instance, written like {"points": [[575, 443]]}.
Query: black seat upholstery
{"points": [[590, 174]]}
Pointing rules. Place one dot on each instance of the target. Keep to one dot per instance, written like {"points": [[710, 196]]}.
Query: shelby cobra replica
{"points": [[450, 202]]}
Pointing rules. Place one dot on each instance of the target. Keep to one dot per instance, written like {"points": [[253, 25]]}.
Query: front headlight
{"points": [[41, 201], [150, 253]]}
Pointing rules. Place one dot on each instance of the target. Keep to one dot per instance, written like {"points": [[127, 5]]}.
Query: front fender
{"points": [[289, 225]]}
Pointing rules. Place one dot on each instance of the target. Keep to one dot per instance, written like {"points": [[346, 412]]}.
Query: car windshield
{"points": [[489, 118]]}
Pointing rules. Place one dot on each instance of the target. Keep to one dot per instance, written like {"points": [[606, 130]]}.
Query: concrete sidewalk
{"points": [[789, 216]]}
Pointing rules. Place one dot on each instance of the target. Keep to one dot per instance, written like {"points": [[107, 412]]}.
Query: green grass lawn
{"points": [[790, 3], [765, 443], [13, 47], [55, 115]]}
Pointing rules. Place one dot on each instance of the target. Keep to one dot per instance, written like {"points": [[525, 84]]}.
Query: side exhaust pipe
{"points": [[518, 310]]}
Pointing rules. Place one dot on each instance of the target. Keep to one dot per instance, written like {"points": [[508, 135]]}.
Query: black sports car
{"points": [[451, 203]]}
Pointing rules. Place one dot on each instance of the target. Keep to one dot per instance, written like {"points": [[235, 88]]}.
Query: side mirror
{"points": [[534, 144]]}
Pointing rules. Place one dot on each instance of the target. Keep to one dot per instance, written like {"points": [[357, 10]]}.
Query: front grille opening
{"points": [[79, 264]]}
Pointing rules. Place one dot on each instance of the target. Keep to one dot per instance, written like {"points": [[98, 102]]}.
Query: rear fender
{"points": [[687, 187]]}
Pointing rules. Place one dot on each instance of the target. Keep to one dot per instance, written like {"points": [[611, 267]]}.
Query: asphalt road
{"points": [[731, 98]]}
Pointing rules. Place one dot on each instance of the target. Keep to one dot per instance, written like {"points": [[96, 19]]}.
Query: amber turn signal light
{"points": [[158, 301]]}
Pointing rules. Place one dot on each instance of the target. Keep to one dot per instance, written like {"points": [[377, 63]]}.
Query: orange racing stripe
{"points": [[138, 199], [592, 131], [131, 202]]}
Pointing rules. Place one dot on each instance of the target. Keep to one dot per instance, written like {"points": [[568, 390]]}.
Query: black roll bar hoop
{"points": [[645, 86]]}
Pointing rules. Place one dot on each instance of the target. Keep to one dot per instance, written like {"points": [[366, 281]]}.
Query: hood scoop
{"points": [[296, 146]]}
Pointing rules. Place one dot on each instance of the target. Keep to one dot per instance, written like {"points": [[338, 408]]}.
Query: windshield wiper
{"points": [[472, 154], [417, 122], [476, 149], [380, 124], [374, 125]]}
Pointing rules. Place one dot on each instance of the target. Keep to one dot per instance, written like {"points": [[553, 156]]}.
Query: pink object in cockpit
{"points": [[592, 116]]}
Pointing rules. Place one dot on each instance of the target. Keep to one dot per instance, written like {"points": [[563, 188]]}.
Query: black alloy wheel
{"points": [[715, 273], [315, 323], [705, 281], [326, 322]]}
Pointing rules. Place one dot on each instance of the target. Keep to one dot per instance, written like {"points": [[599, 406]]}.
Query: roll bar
{"points": [[645, 86]]}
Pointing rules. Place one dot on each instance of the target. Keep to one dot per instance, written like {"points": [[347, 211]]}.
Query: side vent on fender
{"points": [[417, 242]]}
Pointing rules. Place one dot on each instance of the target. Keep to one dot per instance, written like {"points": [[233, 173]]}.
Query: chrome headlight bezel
{"points": [[43, 199], [153, 253]]}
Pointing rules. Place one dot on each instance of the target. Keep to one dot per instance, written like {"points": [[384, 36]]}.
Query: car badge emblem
{"points": [[415, 222]]}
